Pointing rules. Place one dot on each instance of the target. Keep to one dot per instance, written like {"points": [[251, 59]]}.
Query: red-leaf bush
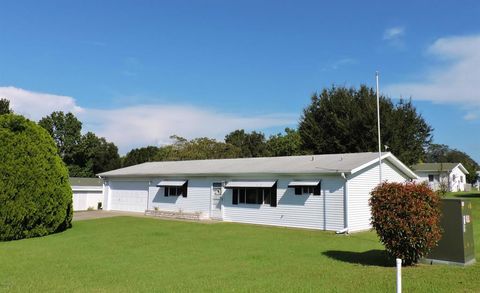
{"points": [[407, 219]]}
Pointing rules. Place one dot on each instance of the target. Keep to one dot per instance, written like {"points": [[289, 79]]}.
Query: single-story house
{"points": [[327, 192], [451, 175], [87, 193]]}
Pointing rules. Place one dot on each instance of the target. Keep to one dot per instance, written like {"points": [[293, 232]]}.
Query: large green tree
{"points": [[199, 149], [342, 120], [140, 155], [84, 155], [65, 129], [5, 106], [440, 153], [94, 155], [35, 195], [288, 144], [250, 144]]}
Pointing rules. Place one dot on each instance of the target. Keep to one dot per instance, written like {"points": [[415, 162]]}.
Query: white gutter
{"points": [[87, 189], [345, 207]]}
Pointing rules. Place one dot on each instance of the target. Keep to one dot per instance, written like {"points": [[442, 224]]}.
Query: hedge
{"points": [[35, 195]]}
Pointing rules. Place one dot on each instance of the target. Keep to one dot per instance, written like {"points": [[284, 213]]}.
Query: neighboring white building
{"points": [[87, 193], [451, 175], [327, 192]]}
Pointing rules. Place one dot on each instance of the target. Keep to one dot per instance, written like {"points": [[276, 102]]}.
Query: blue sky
{"points": [[138, 71]]}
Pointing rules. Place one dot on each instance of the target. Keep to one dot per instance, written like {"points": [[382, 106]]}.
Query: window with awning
{"points": [[306, 187], [174, 187], [253, 192]]}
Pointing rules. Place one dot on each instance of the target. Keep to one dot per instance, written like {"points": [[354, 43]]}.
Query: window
{"points": [[461, 179], [306, 187], [173, 191], [254, 195], [430, 178], [304, 190], [174, 188]]}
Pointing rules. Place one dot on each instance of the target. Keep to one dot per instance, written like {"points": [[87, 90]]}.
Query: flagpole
{"points": [[378, 128]]}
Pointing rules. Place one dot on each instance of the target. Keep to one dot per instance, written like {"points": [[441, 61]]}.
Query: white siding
{"points": [[294, 210], [359, 188], [197, 200]]}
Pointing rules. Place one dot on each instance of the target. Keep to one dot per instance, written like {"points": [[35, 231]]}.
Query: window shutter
{"points": [[298, 190], [273, 201], [185, 189], [234, 196], [317, 189], [165, 189]]}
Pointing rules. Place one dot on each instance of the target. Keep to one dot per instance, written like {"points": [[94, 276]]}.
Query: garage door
{"points": [[129, 196], [79, 201]]}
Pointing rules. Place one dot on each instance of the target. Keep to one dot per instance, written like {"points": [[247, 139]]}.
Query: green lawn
{"points": [[140, 254]]}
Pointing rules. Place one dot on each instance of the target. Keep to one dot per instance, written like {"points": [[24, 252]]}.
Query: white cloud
{"points": [[455, 81], [153, 124], [394, 33], [35, 105], [470, 116], [143, 125]]}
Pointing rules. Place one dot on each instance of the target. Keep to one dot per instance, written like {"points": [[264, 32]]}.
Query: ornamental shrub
{"points": [[406, 217], [35, 195]]}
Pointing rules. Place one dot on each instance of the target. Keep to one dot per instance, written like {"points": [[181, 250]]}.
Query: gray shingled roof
{"points": [[319, 164], [434, 166], [83, 181]]}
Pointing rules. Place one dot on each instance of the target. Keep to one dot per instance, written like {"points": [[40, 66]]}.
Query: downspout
{"points": [[148, 193], [106, 194], [345, 207]]}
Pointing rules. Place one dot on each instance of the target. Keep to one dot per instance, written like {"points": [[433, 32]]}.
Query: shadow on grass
{"points": [[469, 195], [374, 257]]}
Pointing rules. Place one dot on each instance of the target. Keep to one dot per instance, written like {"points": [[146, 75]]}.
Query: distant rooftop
{"points": [[84, 181], [437, 167], [311, 164]]}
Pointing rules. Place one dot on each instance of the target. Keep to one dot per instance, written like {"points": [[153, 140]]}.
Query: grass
{"points": [[139, 254]]}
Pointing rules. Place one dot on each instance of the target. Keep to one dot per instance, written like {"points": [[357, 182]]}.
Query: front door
{"points": [[216, 200]]}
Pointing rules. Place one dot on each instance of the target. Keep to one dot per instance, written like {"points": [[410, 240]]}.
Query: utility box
{"points": [[456, 246]]}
